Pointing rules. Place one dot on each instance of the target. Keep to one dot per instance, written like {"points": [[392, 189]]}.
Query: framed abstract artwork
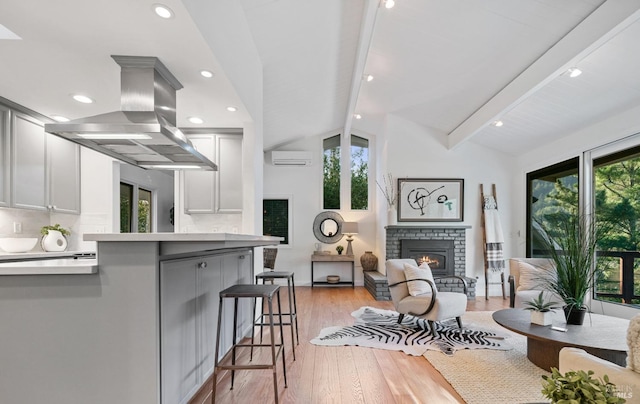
{"points": [[430, 200]]}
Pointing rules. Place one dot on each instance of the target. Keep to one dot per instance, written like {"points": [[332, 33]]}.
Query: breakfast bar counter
{"points": [[140, 330]]}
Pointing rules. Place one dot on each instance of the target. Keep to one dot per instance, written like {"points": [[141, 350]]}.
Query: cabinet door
{"points": [[28, 163], [64, 175], [178, 330], [199, 185], [209, 284], [4, 156], [229, 184]]}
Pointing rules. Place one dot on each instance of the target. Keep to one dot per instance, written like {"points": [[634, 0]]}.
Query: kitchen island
{"points": [[140, 330]]}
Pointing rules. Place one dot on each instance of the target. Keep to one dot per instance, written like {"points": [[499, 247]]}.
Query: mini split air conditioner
{"points": [[290, 158]]}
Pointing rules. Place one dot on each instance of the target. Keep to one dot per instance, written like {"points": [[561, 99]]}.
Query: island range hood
{"points": [[143, 132]]}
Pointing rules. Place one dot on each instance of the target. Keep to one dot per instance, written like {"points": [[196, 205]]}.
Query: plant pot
{"points": [[369, 261], [541, 318], [53, 241], [574, 315]]}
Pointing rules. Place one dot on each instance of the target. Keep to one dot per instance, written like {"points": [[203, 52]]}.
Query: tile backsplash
{"points": [[32, 221]]}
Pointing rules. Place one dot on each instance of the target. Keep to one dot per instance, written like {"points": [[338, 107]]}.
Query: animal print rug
{"points": [[377, 328]]}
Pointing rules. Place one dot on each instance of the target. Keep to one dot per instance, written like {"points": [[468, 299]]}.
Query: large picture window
{"points": [[552, 192], [331, 172], [359, 173]]}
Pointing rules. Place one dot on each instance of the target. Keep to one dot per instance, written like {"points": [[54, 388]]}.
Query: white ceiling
{"points": [[453, 66]]}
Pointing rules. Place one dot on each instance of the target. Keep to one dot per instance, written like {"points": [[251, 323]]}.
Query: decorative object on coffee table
{"points": [[571, 240], [541, 311], [369, 261]]}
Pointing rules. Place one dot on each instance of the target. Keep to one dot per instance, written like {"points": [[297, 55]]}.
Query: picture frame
{"points": [[431, 199]]}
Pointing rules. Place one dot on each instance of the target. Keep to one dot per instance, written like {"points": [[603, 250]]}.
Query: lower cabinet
{"points": [[189, 302]]}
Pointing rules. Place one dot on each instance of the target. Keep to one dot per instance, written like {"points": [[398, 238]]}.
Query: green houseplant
{"points": [[541, 310], [579, 387], [339, 249], [571, 245], [56, 227]]}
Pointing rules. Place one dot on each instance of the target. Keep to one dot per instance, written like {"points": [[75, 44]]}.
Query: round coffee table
{"points": [[602, 336]]}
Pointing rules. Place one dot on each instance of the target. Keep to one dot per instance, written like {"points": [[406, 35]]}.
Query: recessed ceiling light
{"points": [[82, 98], [389, 3], [357, 116], [162, 11], [59, 118], [206, 73], [368, 77], [498, 123], [574, 72], [232, 109], [196, 120]]}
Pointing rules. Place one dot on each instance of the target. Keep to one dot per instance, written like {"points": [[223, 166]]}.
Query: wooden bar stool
{"points": [[265, 292], [293, 309]]}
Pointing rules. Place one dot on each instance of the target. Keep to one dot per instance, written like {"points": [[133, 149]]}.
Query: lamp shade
{"points": [[350, 228]]}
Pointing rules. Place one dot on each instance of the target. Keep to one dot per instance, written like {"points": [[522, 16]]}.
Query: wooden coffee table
{"points": [[602, 336]]}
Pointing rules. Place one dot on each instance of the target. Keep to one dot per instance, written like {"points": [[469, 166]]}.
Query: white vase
{"points": [[541, 318], [392, 216], [54, 241]]}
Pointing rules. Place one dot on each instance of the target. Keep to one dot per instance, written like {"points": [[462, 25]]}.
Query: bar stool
{"points": [[293, 309], [265, 292]]}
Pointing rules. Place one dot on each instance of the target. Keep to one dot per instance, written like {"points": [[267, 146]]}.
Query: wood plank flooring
{"points": [[341, 375]]}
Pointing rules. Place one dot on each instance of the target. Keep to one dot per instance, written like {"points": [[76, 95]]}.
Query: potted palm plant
{"points": [[571, 245]]}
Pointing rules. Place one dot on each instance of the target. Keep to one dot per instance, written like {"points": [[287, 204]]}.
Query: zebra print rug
{"points": [[378, 328]]}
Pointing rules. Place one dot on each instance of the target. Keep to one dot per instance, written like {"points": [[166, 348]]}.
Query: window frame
{"points": [[290, 223], [134, 206]]}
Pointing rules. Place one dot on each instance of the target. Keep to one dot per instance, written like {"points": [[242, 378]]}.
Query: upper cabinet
{"points": [[45, 169], [215, 191], [4, 156]]}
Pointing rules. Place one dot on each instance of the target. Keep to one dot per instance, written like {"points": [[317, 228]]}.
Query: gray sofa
{"points": [[524, 280]]}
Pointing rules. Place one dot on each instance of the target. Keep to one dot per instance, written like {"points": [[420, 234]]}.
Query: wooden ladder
{"points": [[484, 247]]}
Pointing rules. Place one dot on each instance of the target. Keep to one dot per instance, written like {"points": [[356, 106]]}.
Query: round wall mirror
{"points": [[327, 227]]}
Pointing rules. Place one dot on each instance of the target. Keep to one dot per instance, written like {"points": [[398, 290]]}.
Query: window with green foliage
{"points": [[331, 172], [359, 173], [551, 192], [617, 202], [275, 218], [130, 196]]}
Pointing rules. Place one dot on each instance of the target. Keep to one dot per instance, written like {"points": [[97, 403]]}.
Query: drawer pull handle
{"points": [[202, 265]]}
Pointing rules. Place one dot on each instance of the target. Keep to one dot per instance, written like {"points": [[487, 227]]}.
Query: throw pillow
{"points": [[531, 277], [423, 272]]}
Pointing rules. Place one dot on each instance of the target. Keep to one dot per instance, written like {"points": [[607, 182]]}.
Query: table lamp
{"points": [[349, 228]]}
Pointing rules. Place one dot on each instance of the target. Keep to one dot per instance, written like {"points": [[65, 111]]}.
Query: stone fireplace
{"points": [[444, 243]]}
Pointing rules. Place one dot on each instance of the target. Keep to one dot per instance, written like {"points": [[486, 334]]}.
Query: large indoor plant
{"points": [[571, 244]]}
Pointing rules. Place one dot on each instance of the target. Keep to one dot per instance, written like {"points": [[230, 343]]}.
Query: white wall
{"points": [[405, 150]]}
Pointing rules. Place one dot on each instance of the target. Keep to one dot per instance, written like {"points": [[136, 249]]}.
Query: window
{"points": [[331, 172], [275, 218], [617, 202], [359, 173], [142, 199], [551, 193]]}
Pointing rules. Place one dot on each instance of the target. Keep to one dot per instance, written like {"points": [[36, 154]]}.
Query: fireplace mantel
{"points": [[429, 226]]}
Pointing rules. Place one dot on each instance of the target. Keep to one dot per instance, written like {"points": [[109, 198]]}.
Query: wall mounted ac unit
{"points": [[290, 158]]}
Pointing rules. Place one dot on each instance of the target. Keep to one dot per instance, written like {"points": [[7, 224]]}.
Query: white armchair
{"points": [[524, 280], [424, 300], [627, 380]]}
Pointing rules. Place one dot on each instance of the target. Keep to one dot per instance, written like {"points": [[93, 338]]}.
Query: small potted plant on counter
{"points": [[54, 238], [339, 249], [541, 311]]}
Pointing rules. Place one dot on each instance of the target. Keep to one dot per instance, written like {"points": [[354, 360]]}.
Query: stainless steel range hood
{"points": [[143, 133]]}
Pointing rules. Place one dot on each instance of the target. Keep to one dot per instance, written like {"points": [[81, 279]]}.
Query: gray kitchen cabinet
{"points": [[178, 322], [29, 186], [189, 304], [64, 175], [4, 155], [215, 191], [45, 169]]}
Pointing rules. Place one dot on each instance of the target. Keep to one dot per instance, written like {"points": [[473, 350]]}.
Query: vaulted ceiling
{"points": [[452, 66]]}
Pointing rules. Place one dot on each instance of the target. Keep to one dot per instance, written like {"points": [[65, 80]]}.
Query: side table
{"points": [[333, 258]]}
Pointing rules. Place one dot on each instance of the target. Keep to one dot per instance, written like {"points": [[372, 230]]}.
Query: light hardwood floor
{"points": [[341, 375]]}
